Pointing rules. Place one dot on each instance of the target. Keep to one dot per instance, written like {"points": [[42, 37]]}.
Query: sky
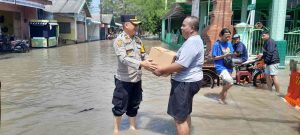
{"points": [[95, 6]]}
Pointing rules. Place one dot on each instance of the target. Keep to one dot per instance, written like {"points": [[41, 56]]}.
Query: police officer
{"points": [[131, 58]]}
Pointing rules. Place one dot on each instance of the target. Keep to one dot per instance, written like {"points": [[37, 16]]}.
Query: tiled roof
{"points": [[66, 6]]}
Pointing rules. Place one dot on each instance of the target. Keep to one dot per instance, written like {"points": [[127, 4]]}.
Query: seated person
{"points": [[240, 51]]}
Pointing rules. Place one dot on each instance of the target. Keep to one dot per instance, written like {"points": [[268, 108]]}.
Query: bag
{"points": [[227, 60], [228, 63]]}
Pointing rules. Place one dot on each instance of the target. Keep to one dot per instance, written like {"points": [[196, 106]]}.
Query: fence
{"points": [[292, 38], [174, 40], [293, 43]]}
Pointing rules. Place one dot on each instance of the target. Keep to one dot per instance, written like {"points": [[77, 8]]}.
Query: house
{"points": [[16, 14], [107, 25], [93, 27], [72, 16]]}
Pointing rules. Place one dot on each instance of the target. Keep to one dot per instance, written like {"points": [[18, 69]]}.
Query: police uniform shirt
{"points": [[130, 53]]}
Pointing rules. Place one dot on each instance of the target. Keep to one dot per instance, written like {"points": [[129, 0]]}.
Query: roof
{"points": [[95, 18], [68, 6], [178, 10], [106, 18], [39, 4]]}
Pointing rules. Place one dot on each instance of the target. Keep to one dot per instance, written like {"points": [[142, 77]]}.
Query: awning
{"points": [[43, 22], [96, 22], [53, 24], [38, 23], [92, 20]]}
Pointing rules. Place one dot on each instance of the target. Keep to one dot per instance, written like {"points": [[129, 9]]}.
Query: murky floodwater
{"points": [[47, 90], [68, 91]]}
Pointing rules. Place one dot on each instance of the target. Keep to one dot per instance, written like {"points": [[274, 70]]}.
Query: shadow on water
{"points": [[153, 124], [159, 125], [212, 95]]}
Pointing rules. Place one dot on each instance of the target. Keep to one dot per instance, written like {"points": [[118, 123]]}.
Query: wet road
{"points": [[68, 90], [43, 91]]}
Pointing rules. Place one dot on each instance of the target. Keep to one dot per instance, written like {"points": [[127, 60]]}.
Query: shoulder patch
{"points": [[119, 42]]}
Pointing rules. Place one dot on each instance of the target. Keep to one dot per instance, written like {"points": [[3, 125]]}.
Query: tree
{"points": [[149, 12]]}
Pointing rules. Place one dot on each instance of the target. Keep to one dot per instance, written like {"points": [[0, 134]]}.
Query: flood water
{"points": [[62, 90], [68, 91]]}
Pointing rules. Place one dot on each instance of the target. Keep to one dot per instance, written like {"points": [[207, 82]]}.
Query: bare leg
{"points": [[269, 82], [189, 121], [223, 93], [182, 128], [117, 121], [276, 82], [132, 123]]}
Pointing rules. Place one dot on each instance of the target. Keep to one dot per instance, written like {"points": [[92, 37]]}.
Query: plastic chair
{"points": [[239, 74]]}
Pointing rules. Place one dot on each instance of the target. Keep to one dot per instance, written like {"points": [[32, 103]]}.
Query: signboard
{"points": [[251, 7]]}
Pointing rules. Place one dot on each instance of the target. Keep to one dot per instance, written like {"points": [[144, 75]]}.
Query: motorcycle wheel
{"points": [[259, 79], [208, 80]]}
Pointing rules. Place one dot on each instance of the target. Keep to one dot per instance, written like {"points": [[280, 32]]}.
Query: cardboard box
{"points": [[161, 56]]}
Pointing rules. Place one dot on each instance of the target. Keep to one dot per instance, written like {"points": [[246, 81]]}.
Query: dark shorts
{"points": [[181, 99], [127, 97]]}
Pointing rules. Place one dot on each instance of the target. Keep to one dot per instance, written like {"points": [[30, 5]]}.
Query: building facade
{"points": [[280, 17], [16, 14]]}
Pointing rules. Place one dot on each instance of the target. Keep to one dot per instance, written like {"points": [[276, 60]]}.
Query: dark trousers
{"points": [[127, 97]]}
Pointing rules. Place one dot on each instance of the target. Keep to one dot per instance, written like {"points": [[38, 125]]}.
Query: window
{"points": [[64, 27]]}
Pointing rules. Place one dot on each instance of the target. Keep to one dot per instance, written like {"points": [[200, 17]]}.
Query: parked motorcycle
{"points": [[8, 44], [251, 71], [21, 46]]}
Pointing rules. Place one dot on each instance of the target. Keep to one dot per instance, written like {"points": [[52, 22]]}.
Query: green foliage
{"points": [[149, 12]]}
